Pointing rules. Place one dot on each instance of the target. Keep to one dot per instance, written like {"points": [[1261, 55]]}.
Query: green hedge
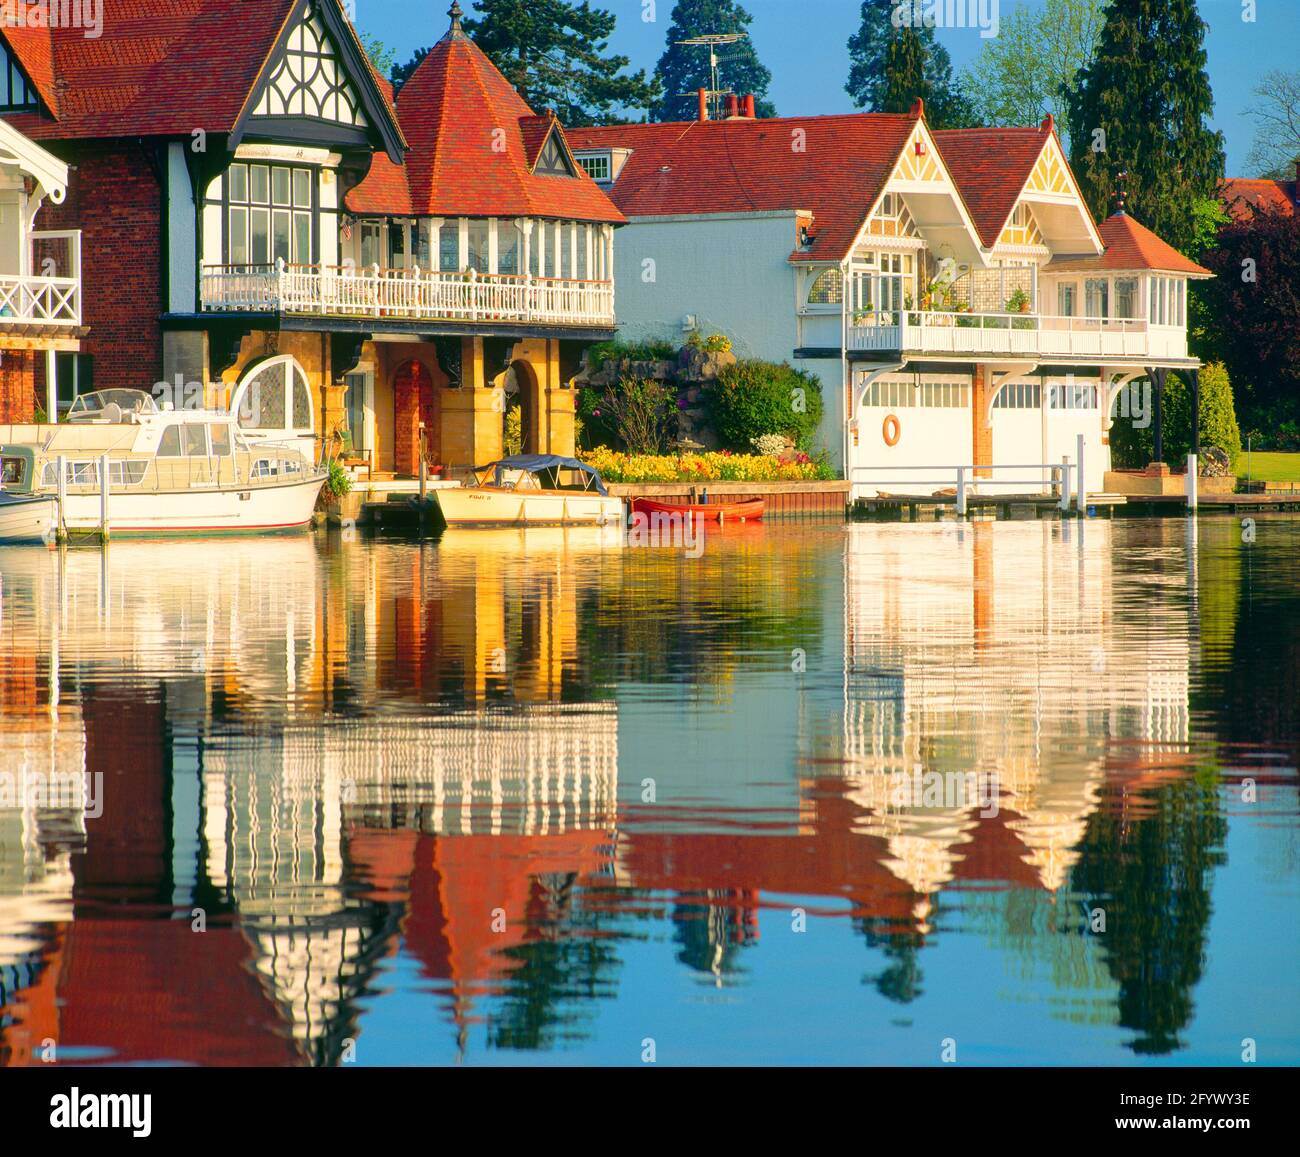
{"points": [[752, 398]]}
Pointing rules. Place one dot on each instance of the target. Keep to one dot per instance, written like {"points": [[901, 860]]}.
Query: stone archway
{"points": [[413, 403], [522, 389]]}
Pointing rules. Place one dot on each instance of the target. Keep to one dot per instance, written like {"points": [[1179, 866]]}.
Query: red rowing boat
{"points": [[751, 511]]}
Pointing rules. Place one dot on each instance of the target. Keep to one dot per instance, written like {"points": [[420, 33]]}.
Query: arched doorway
{"points": [[412, 405], [523, 392]]}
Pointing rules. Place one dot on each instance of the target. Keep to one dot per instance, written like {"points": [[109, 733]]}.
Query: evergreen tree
{"points": [[904, 78], [1142, 107], [684, 68], [556, 53], [871, 80], [402, 72]]}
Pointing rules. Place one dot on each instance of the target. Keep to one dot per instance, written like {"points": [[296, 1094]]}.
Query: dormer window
{"points": [[597, 166], [553, 162]]}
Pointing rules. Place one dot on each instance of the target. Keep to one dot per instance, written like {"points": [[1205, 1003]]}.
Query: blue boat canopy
{"points": [[536, 463]]}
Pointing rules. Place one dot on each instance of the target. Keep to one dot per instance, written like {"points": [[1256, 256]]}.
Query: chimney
{"points": [[733, 105], [749, 107], [703, 94]]}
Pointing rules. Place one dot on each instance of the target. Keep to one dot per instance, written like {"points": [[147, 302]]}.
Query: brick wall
{"points": [[17, 385], [115, 200], [981, 434]]}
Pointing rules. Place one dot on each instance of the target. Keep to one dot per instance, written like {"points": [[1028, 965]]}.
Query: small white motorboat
{"points": [[28, 517], [511, 492]]}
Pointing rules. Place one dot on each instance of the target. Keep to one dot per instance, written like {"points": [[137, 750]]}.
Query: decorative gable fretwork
{"points": [[1050, 175], [1022, 229], [309, 81], [891, 218], [919, 162]]}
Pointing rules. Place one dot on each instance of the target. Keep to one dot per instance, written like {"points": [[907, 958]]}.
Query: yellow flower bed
{"points": [[720, 466]]}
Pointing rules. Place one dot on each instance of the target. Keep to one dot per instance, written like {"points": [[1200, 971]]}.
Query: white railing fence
{"points": [[51, 293], [407, 293], [1012, 333], [1063, 480]]}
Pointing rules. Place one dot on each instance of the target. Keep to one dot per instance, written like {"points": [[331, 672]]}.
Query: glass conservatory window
{"points": [[507, 246], [449, 247], [1096, 297]]}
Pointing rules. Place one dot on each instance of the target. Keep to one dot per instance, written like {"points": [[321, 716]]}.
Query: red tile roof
{"points": [[1243, 196], [834, 166], [990, 167], [1130, 245], [473, 145], [161, 67]]}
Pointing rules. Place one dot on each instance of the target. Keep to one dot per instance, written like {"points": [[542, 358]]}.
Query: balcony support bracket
{"points": [[345, 352], [999, 375], [1114, 388], [224, 341]]}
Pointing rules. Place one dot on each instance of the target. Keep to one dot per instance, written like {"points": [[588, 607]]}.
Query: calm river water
{"points": [[820, 794]]}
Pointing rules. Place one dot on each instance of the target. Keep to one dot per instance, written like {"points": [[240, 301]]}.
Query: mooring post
{"points": [[1081, 502], [1192, 467], [1065, 483], [103, 497], [61, 489], [961, 491]]}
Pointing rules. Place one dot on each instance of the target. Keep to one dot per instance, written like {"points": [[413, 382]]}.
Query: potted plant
{"points": [[1018, 302]]}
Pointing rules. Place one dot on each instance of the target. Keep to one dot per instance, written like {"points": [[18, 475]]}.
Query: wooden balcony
{"points": [[1015, 335], [407, 295], [44, 302]]}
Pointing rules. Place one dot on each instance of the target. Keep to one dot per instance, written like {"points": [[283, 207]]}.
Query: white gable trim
{"points": [[49, 173], [942, 182], [1075, 197]]}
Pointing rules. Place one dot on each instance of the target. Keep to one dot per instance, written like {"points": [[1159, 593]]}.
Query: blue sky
{"points": [[804, 45]]}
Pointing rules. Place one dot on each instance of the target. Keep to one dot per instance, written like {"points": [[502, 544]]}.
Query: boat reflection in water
{"points": [[458, 800]]}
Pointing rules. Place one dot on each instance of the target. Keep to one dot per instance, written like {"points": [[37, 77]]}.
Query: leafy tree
{"points": [[1029, 69], [1142, 107], [872, 82], [684, 68], [1253, 311], [1276, 113], [381, 56], [555, 52]]}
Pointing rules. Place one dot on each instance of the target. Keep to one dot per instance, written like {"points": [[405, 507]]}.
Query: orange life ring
{"points": [[891, 430]]}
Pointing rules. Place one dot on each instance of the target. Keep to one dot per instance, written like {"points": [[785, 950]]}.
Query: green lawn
{"points": [[1270, 466]]}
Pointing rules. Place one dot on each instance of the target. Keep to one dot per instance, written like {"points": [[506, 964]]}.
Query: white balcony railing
{"points": [[1014, 334], [51, 297], [407, 294]]}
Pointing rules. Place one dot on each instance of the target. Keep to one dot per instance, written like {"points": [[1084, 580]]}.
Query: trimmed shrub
{"points": [[753, 398]]}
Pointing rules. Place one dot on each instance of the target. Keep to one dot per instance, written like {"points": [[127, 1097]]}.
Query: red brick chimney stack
{"points": [[749, 108], [733, 105], [703, 94]]}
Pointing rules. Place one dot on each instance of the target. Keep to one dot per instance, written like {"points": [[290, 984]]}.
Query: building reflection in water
{"points": [[342, 754]]}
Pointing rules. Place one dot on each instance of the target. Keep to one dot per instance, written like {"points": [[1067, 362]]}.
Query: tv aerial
{"points": [[711, 40]]}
